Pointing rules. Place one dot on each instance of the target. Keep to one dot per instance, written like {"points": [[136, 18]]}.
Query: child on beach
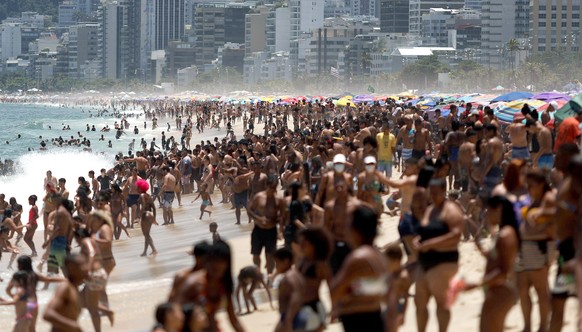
{"points": [[214, 231], [25, 309], [206, 200]]}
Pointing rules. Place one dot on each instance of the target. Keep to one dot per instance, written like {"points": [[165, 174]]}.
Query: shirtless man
{"points": [[240, 188], [141, 163], [568, 209], [544, 158], [421, 140], [466, 156], [336, 222], [65, 307], [132, 196], [50, 179], [199, 252], [60, 238], [266, 209], [63, 191], [490, 175], [453, 141], [168, 195], [94, 183], [326, 191], [291, 290], [518, 136], [406, 135], [259, 179]]}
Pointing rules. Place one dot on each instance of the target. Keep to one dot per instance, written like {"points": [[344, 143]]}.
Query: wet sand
{"points": [[138, 284]]}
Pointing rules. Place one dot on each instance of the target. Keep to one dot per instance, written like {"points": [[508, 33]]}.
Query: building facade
{"points": [[394, 16], [421, 7], [169, 22], [555, 25]]}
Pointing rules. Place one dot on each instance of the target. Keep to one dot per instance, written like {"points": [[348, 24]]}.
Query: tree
{"points": [[512, 47], [423, 71]]}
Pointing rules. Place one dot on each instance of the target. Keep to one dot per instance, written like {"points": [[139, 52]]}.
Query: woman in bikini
{"points": [[206, 200], [24, 264], [24, 304], [32, 224], [147, 209], [97, 277], [359, 289], [117, 210], [212, 287], [315, 245], [497, 283], [370, 185], [208, 174]]}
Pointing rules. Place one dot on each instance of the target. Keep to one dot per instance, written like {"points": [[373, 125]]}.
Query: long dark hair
{"points": [[508, 217], [221, 251], [24, 264]]}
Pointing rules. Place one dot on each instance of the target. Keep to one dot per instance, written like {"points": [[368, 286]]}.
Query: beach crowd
{"points": [[316, 180]]}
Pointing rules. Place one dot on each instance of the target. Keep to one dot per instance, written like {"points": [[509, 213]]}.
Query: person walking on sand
{"points": [[206, 200], [65, 307], [500, 292], [148, 216], [32, 224], [168, 195]]}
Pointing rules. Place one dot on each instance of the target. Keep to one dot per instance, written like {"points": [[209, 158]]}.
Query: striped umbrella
{"points": [[505, 111]]}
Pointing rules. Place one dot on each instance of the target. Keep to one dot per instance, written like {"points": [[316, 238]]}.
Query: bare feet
{"points": [[154, 253], [143, 255]]}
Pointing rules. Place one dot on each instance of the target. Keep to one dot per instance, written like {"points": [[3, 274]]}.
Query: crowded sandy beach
{"points": [[305, 213]]}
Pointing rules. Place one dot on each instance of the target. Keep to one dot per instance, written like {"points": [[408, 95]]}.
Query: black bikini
{"points": [[432, 258]]}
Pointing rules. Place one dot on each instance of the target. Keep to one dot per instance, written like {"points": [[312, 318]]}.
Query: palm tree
{"points": [[512, 47]]}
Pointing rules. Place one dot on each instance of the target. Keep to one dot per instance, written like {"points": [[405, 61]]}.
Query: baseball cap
{"points": [[554, 104], [369, 160], [339, 159]]}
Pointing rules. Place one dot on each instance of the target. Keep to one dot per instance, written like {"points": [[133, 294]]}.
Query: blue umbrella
{"points": [[512, 96]]}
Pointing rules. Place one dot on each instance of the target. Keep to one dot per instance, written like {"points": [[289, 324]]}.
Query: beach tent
{"points": [[513, 96], [498, 88], [561, 103], [569, 109], [549, 96], [506, 111]]}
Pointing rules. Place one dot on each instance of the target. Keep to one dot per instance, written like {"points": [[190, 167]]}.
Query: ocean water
{"points": [[33, 121]]}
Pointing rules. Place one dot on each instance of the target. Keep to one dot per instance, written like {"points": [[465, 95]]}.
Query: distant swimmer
{"points": [[19, 136], [43, 146], [7, 142]]}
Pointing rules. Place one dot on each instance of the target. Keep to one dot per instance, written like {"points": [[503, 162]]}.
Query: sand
{"points": [[138, 284]]}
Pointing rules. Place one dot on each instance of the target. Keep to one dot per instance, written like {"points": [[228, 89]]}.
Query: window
{"points": [[541, 24], [542, 48], [542, 16], [553, 24], [563, 24], [553, 15], [575, 15], [575, 24]]}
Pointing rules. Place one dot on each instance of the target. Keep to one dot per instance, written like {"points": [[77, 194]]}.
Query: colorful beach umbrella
{"points": [[549, 96], [568, 110], [506, 111], [513, 96]]}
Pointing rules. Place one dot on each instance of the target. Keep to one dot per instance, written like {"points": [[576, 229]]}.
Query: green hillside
{"points": [[13, 8]]}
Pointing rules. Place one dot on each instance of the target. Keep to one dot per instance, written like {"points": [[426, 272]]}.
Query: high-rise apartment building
{"points": [[256, 29], [421, 7], [555, 25], [362, 7], [394, 16], [278, 30], [215, 25], [11, 41], [473, 4], [502, 21], [169, 22], [83, 51]]}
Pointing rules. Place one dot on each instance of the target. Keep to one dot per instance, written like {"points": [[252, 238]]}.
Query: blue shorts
{"points": [[546, 161], [240, 199], [407, 225], [520, 153], [385, 166], [168, 199]]}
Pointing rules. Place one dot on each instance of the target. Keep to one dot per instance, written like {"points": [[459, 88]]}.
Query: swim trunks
{"points": [[406, 154], [132, 199], [261, 237], [418, 154], [520, 153], [142, 174], [97, 280], [58, 252], [168, 199], [339, 255], [240, 199], [546, 161]]}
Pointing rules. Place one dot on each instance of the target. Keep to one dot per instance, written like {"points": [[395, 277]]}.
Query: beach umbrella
{"points": [[363, 99], [513, 96], [569, 109], [560, 102], [549, 96], [505, 111]]}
